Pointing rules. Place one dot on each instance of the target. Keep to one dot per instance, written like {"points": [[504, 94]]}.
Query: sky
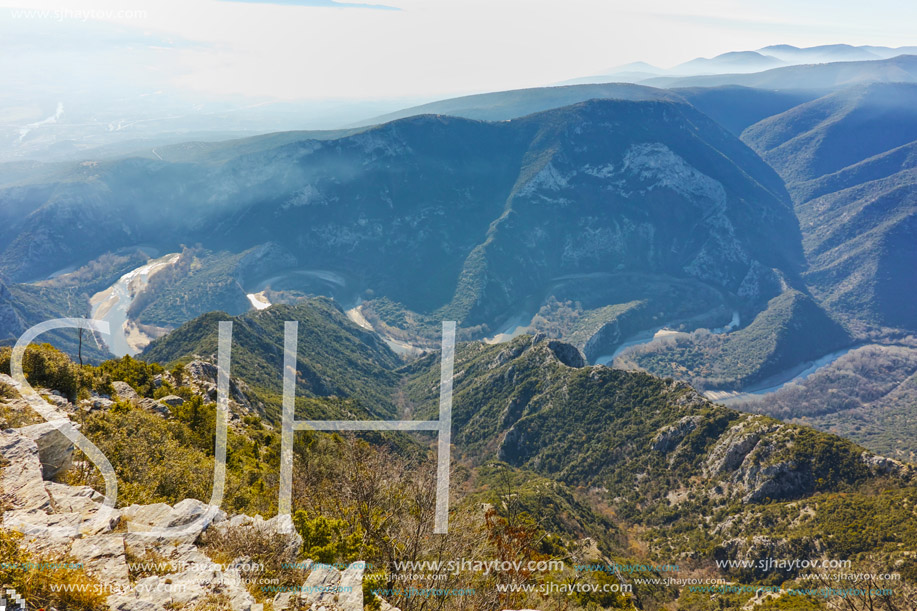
{"points": [[322, 49]]}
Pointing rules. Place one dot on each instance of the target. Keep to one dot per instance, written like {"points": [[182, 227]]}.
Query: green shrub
{"points": [[7, 391], [138, 374], [327, 539], [45, 366]]}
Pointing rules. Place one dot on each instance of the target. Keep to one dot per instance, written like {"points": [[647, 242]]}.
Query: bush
{"points": [[45, 366], [151, 456], [326, 539], [7, 391], [136, 373]]}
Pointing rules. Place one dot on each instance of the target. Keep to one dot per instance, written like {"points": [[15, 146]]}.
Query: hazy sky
{"points": [[324, 49]]}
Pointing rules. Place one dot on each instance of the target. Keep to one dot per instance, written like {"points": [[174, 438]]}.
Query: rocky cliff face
{"points": [[436, 212]]}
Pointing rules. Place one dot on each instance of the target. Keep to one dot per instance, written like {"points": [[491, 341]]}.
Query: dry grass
{"points": [[38, 587], [263, 553]]}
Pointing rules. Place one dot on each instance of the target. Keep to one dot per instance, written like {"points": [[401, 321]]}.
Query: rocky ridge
{"points": [[59, 522]]}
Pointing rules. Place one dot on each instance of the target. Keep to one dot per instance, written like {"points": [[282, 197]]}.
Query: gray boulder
{"points": [[124, 391], [328, 589], [55, 450], [279, 528], [172, 400], [202, 377], [84, 503], [189, 518], [96, 403], [881, 465], [151, 405]]}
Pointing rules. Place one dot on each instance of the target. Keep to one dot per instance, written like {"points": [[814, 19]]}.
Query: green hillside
{"points": [[335, 356], [867, 395], [848, 161], [675, 465]]}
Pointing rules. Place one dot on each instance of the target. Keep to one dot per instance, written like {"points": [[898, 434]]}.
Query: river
{"points": [[355, 314], [650, 335], [777, 381], [112, 305], [771, 384]]}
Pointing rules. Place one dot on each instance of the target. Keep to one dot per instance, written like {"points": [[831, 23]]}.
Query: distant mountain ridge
{"points": [[815, 68], [504, 105], [734, 63], [602, 186], [849, 161], [834, 53], [822, 77]]}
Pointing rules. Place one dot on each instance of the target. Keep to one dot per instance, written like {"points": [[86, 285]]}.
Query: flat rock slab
{"points": [[103, 557], [21, 484]]}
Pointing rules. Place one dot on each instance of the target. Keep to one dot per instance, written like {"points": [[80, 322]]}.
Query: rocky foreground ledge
{"points": [[58, 523]]}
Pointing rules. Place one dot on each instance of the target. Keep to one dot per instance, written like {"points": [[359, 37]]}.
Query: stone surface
{"points": [[160, 378], [191, 516], [145, 517], [668, 438], [192, 580], [83, 502], [186, 589], [884, 466], [54, 449], [21, 484], [35, 505], [283, 601], [69, 499], [151, 405], [567, 354], [202, 377], [35, 525], [56, 401], [103, 557], [128, 602], [328, 589], [96, 403], [124, 391]]}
